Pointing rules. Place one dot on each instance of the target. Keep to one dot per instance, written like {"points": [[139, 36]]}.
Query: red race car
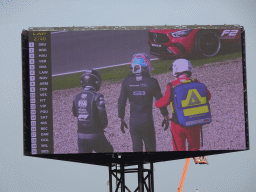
{"points": [[196, 42]]}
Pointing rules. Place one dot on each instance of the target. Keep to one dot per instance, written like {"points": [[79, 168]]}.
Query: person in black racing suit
{"points": [[140, 88], [89, 108]]}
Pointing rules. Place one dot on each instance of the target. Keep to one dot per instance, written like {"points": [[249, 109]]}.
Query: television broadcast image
{"points": [[214, 63], [150, 90]]}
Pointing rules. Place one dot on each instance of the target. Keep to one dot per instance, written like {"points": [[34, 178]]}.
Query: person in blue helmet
{"points": [[140, 88]]}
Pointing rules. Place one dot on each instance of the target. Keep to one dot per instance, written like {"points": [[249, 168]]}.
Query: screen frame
{"points": [[129, 158]]}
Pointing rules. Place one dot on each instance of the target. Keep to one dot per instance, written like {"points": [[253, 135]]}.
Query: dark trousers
{"points": [[142, 129], [99, 144]]}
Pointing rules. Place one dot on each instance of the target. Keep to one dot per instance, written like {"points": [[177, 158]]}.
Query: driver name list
{"points": [[40, 93]]}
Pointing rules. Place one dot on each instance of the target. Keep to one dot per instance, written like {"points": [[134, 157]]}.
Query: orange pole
{"points": [[183, 174]]}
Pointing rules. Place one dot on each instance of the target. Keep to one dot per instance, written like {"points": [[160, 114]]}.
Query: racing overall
{"points": [[140, 89], [180, 133], [89, 108]]}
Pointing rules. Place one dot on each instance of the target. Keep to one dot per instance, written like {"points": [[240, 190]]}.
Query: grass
{"points": [[120, 72]]}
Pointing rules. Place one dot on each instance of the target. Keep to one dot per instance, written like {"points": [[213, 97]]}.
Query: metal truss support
{"points": [[145, 184]]}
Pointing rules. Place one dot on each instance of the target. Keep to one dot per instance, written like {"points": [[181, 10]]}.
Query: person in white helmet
{"points": [[182, 70]]}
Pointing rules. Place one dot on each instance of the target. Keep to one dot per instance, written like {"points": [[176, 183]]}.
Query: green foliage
{"points": [[120, 72]]}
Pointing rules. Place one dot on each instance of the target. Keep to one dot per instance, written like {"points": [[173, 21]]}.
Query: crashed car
{"points": [[185, 42]]}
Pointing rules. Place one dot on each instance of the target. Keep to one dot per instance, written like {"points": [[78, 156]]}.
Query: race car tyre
{"points": [[207, 43]]}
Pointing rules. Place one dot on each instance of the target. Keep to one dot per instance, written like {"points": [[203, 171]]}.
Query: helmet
{"points": [[140, 62], [181, 66], [91, 79]]}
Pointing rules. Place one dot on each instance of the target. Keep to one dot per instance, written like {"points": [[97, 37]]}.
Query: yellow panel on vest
{"points": [[193, 98], [196, 110], [171, 106]]}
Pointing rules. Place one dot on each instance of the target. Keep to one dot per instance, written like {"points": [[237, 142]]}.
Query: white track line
{"points": [[58, 32], [96, 68]]}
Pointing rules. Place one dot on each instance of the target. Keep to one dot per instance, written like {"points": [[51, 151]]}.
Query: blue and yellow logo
{"points": [[194, 98]]}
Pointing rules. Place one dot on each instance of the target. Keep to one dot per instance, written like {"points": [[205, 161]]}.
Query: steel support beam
{"points": [[119, 171]]}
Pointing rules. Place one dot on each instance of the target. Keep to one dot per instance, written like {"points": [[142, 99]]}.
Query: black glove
{"points": [[165, 122], [123, 124]]}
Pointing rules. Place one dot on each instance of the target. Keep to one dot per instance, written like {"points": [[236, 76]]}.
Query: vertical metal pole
{"points": [[140, 177], [122, 177], [152, 177], [149, 181], [116, 175], [110, 177]]}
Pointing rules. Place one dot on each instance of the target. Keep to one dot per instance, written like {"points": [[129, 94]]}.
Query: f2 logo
{"points": [[230, 33]]}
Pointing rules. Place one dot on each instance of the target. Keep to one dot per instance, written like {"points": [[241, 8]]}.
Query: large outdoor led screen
{"points": [[195, 78]]}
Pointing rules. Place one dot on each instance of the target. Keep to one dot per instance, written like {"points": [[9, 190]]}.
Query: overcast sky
{"points": [[226, 172]]}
